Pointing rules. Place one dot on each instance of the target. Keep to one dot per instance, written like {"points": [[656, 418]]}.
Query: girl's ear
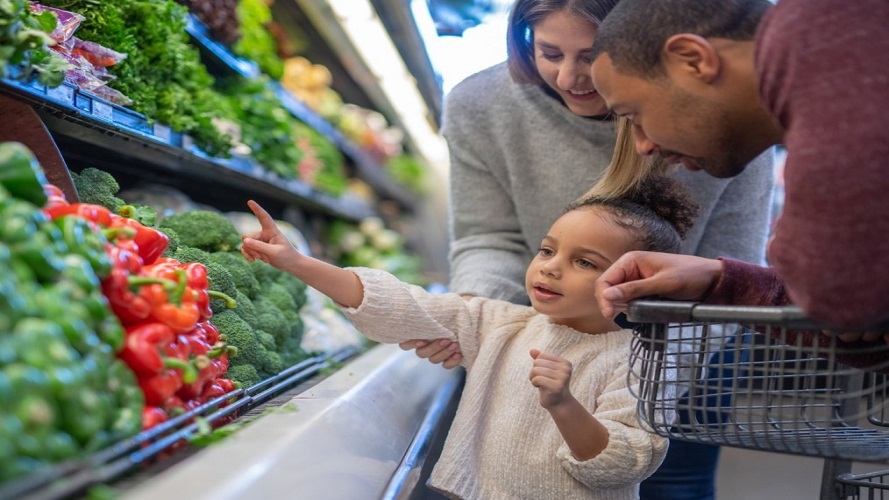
{"points": [[692, 56]]}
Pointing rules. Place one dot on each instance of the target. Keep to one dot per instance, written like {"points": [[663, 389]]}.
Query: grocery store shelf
{"points": [[221, 59], [350, 38], [218, 55], [366, 168], [72, 478], [121, 136], [345, 440]]}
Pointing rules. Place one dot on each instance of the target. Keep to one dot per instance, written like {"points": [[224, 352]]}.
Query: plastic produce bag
{"points": [[88, 60]]}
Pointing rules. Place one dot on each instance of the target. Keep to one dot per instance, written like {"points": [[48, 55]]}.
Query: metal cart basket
{"points": [[762, 378]]}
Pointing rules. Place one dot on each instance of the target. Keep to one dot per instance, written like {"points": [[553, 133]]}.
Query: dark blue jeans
{"points": [[688, 473]]}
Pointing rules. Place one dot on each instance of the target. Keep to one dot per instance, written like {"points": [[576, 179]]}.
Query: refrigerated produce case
{"points": [[367, 427]]}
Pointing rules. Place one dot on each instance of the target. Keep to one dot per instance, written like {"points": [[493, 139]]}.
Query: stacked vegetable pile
{"points": [[63, 392], [265, 326], [179, 357]]}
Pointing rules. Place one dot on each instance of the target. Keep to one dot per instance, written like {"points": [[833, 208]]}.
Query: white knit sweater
{"points": [[502, 443]]}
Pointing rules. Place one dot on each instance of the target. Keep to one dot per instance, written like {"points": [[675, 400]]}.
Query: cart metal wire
{"points": [[764, 378]]}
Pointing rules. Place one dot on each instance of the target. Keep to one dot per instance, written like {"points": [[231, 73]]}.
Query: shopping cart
{"points": [[764, 378]]}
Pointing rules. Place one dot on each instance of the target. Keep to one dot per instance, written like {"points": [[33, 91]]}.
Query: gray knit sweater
{"points": [[502, 443], [518, 157]]}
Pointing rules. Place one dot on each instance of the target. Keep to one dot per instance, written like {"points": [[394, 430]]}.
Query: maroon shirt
{"points": [[823, 71]]}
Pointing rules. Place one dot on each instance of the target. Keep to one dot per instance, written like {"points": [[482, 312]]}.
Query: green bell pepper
{"points": [[83, 241], [20, 173], [127, 417], [19, 221], [40, 343]]}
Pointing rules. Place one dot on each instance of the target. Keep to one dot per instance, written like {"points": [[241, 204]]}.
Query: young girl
{"points": [[546, 411]]}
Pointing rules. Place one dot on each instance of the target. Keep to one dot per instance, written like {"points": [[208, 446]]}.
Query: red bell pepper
{"points": [[126, 255], [144, 348], [129, 307], [210, 331], [160, 387], [174, 306], [93, 213], [150, 241], [152, 416], [55, 197]]}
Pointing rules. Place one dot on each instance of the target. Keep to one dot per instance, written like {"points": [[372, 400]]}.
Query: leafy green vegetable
{"points": [[266, 127], [163, 73], [256, 42], [24, 37]]}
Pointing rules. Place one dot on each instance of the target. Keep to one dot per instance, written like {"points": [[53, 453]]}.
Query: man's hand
{"points": [[443, 351], [647, 274], [856, 336]]}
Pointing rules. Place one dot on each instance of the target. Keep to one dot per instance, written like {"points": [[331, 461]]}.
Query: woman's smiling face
{"points": [[562, 45], [561, 278]]}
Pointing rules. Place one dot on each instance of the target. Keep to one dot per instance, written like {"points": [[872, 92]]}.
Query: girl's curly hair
{"points": [[659, 211]]}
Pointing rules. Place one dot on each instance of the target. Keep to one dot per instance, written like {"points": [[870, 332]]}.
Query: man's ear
{"points": [[692, 55]]}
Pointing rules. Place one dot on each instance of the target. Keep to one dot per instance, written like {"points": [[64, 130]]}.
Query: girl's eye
{"points": [[551, 57], [586, 264], [546, 252]]}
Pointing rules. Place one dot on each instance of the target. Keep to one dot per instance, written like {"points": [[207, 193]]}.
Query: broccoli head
{"points": [[210, 231], [294, 324], [274, 363], [294, 286], [240, 270], [221, 281], [278, 295], [264, 272], [246, 375], [270, 318], [97, 187], [291, 352], [246, 310], [267, 340], [173, 245], [241, 335], [186, 253]]}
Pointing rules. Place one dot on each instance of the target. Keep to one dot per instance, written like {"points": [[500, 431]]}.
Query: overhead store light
{"points": [[374, 46]]}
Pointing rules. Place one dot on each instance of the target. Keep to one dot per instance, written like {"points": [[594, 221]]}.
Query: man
{"points": [[743, 75]]}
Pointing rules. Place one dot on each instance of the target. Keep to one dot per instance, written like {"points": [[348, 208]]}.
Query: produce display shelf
{"points": [[218, 54], [220, 57], [71, 479], [114, 131], [366, 167]]}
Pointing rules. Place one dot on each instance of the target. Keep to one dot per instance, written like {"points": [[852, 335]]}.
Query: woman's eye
{"points": [[551, 57]]}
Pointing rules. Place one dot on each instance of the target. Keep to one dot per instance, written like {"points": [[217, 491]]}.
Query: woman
{"points": [[510, 126]]}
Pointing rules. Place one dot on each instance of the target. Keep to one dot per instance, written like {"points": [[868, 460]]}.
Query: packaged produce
{"points": [[87, 61]]}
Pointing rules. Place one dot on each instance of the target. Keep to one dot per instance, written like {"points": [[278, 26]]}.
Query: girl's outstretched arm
{"points": [[271, 246]]}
